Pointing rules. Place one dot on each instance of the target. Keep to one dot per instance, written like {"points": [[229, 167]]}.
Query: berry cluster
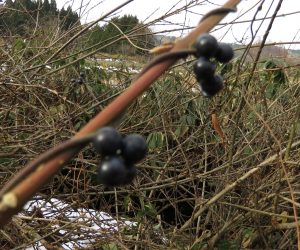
{"points": [[80, 79], [119, 156], [207, 47]]}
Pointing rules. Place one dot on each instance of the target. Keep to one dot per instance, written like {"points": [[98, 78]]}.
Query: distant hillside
{"points": [[160, 39], [294, 52], [267, 52], [20, 16]]}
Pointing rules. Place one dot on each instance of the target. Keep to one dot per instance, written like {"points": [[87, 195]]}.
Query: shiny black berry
{"points": [[224, 53], [210, 87], [80, 80], [108, 141], [130, 174], [82, 74], [206, 45], [204, 69], [112, 171], [134, 148]]}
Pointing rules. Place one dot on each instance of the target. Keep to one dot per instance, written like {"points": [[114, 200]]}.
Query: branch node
{"points": [[9, 200]]}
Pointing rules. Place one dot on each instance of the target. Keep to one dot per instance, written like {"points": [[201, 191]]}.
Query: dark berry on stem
{"points": [[108, 141], [203, 68], [82, 74], [206, 45], [112, 171], [210, 87], [134, 148], [224, 53]]}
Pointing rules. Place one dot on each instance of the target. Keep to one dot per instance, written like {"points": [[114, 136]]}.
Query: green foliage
{"points": [[19, 45], [149, 210], [155, 140], [274, 76], [53, 7], [46, 6], [21, 15], [110, 246], [185, 123], [68, 18], [4, 160], [99, 35], [198, 246], [227, 245]]}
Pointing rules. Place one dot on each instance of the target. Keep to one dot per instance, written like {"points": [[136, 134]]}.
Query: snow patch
{"points": [[89, 224]]}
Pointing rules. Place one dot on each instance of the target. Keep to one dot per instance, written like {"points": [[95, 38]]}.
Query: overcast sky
{"points": [[284, 29]]}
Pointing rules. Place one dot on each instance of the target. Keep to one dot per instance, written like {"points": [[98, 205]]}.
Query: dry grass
{"points": [[192, 191]]}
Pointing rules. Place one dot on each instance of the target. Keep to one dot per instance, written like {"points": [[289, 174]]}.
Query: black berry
{"points": [[134, 148], [210, 87], [204, 69], [112, 171], [108, 141], [82, 74], [80, 80], [206, 45], [130, 174], [224, 53]]}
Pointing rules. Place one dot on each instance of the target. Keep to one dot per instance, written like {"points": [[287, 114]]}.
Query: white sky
{"points": [[284, 28]]}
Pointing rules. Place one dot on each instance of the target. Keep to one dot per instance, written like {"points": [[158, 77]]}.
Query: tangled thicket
{"points": [[187, 164]]}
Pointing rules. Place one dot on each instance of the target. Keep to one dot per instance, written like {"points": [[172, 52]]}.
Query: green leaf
{"points": [[23, 136], [150, 210], [270, 91], [127, 201], [197, 246], [185, 122], [19, 45], [190, 120], [82, 62], [57, 110], [181, 130], [155, 140], [79, 125], [4, 160], [59, 63], [110, 246], [227, 245]]}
